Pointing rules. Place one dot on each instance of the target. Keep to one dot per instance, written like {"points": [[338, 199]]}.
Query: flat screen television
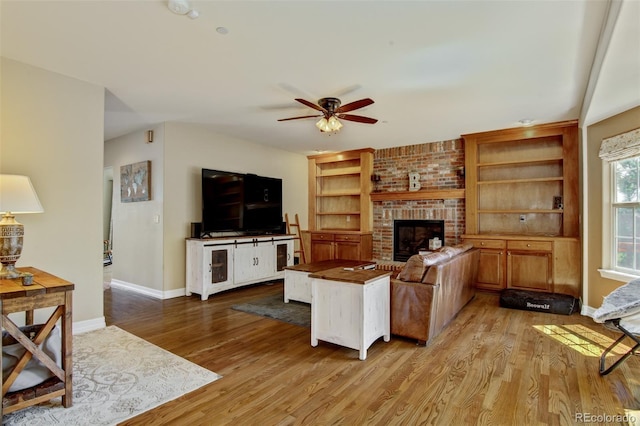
{"points": [[240, 202]]}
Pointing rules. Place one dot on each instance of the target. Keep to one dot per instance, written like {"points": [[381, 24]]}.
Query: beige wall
{"points": [[137, 237], [188, 149], [599, 287], [52, 131], [149, 256]]}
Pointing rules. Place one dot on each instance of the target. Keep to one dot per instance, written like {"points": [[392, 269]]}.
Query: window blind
{"points": [[621, 146]]}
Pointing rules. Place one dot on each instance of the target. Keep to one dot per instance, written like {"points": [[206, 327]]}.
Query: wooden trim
{"points": [[538, 130], [311, 176], [366, 207], [438, 194], [338, 156]]}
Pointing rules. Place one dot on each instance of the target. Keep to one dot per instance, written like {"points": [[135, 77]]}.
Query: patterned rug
{"points": [[273, 306], [116, 376]]}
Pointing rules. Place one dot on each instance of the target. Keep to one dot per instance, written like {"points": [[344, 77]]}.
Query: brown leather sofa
{"points": [[430, 291]]}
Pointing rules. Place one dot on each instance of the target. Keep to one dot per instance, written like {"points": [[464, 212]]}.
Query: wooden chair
{"points": [[297, 233]]}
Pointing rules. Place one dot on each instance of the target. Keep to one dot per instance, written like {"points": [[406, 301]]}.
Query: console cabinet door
{"points": [[209, 269], [253, 261], [284, 255], [217, 268]]}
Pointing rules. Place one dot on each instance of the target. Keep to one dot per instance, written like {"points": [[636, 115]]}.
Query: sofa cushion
{"points": [[418, 264]]}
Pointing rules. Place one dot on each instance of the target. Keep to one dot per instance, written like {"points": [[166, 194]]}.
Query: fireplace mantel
{"points": [[438, 194]]}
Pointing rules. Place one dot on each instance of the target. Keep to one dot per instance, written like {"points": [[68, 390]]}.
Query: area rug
{"points": [[297, 313], [116, 376]]}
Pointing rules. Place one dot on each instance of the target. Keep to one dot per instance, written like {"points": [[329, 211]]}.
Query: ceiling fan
{"points": [[332, 111]]}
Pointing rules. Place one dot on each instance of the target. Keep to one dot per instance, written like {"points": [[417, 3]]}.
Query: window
{"points": [[625, 204]]}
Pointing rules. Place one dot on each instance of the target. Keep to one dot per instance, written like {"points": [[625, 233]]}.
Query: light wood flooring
{"points": [[491, 366]]}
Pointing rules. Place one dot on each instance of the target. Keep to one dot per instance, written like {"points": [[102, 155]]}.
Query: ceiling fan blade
{"points": [[355, 105], [358, 118], [311, 105], [298, 118]]}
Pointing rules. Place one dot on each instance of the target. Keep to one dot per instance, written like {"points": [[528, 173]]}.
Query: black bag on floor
{"points": [[553, 303]]}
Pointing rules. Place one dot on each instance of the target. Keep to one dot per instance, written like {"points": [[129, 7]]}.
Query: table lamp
{"points": [[17, 196]]}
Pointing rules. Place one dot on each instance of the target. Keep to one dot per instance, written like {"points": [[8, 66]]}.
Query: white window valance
{"points": [[625, 145]]}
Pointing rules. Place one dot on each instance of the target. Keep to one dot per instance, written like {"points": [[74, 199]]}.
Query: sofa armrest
{"points": [[457, 280], [411, 307], [421, 310]]}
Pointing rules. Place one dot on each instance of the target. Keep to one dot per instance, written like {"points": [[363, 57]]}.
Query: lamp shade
{"points": [[18, 196]]}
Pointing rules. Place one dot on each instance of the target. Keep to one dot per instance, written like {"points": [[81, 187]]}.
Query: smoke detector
{"points": [[182, 7]]}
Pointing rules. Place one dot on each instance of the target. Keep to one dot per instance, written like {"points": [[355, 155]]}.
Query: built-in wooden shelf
{"points": [[438, 194]]}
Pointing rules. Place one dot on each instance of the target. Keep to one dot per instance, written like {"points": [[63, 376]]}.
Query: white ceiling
{"points": [[435, 69]]}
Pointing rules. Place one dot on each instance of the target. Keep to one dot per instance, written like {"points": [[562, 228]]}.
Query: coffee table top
{"points": [[329, 264], [358, 276]]}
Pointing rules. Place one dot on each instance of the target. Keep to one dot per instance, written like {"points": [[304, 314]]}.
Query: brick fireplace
{"points": [[441, 168]]}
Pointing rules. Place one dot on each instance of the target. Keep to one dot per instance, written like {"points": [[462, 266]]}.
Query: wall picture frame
{"points": [[135, 182]]}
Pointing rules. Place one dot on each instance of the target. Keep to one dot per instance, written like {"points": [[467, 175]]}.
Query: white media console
{"points": [[219, 264]]}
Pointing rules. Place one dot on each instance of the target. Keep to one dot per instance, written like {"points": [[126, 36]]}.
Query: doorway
{"points": [[107, 226]]}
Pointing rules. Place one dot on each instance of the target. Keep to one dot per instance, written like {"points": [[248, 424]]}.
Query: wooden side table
{"points": [[297, 284], [46, 291], [350, 308]]}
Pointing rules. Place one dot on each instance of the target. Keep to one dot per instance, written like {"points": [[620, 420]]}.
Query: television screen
{"points": [[262, 204], [240, 202], [222, 201]]}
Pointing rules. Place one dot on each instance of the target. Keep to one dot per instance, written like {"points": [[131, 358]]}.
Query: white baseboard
{"points": [[587, 311], [157, 294], [89, 325]]}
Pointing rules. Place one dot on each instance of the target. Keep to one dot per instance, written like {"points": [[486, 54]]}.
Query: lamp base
{"points": [[9, 271], [11, 236]]}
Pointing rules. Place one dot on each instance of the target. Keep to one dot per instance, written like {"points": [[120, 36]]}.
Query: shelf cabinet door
{"points": [[347, 251], [491, 270], [530, 270], [322, 250], [347, 246]]}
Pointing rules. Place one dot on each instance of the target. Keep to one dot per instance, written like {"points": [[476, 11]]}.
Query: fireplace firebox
{"points": [[410, 236]]}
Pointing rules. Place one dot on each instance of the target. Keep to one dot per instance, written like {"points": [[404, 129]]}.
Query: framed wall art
{"points": [[135, 182]]}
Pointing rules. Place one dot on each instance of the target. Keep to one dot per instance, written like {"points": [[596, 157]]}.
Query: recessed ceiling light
{"points": [[222, 30], [526, 122]]}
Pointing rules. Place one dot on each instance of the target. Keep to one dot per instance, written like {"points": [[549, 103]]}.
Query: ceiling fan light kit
{"points": [[332, 111], [330, 125]]}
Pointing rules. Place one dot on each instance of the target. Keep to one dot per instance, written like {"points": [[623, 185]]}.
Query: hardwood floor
{"points": [[491, 366]]}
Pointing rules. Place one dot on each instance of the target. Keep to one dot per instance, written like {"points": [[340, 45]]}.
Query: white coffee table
{"points": [[350, 308], [297, 284]]}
